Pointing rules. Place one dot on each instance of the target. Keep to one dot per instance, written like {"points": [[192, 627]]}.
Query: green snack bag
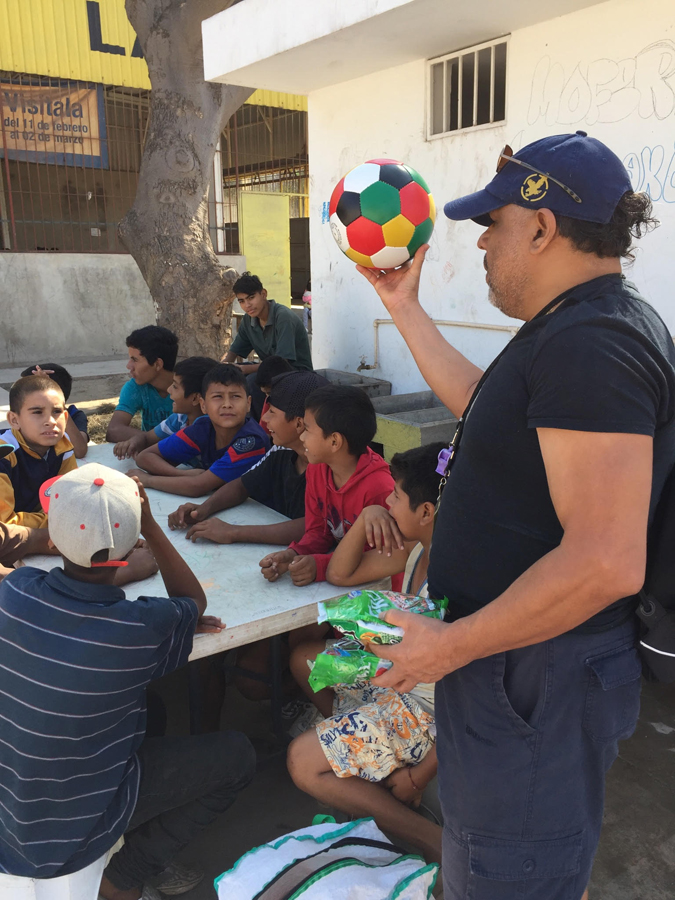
{"points": [[345, 662], [357, 614]]}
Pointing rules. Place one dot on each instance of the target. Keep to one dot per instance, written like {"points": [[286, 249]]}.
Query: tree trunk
{"points": [[166, 230]]}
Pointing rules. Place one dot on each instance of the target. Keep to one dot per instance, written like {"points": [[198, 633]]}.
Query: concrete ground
{"points": [[636, 858]]}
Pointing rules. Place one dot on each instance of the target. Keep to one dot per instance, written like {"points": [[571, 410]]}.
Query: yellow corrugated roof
{"points": [[55, 38]]}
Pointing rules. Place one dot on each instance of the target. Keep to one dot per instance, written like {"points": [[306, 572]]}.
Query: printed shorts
{"points": [[374, 731]]}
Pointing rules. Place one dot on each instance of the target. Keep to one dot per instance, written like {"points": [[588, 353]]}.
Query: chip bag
{"points": [[357, 614], [345, 662]]}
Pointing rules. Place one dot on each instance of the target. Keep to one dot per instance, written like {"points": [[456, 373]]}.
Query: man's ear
{"points": [[545, 228], [13, 419]]}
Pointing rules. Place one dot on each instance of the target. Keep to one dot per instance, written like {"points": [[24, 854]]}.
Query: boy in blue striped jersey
{"points": [[77, 656]]}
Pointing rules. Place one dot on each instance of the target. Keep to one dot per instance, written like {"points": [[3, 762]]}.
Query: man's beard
{"points": [[506, 295]]}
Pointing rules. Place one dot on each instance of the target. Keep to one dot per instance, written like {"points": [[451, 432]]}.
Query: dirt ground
{"points": [[98, 423]]}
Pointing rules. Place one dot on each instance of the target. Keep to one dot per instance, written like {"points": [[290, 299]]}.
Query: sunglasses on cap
{"points": [[506, 156]]}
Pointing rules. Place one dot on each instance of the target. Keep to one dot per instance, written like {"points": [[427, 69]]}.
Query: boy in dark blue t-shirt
{"points": [[228, 442]]}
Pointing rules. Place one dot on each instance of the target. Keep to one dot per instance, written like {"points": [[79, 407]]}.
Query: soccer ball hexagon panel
{"points": [[381, 212]]}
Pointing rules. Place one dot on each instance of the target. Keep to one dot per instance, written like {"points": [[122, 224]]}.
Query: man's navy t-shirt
{"points": [[602, 361]]}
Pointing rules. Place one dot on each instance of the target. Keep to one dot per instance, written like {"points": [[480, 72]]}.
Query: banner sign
{"points": [[62, 124]]}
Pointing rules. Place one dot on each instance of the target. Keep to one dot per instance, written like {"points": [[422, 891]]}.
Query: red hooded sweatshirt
{"points": [[330, 513]]}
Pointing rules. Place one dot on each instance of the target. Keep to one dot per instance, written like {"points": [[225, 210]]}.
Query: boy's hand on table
{"points": [[303, 570], [209, 625], [141, 564], [400, 785], [184, 516], [213, 530], [129, 448], [382, 532], [144, 478], [274, 565]]}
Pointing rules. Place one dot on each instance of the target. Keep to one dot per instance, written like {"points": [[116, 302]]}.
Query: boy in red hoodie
{"points": [[343, 476]]}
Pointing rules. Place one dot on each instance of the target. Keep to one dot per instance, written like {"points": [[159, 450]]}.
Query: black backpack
{"points": [[656, 606]]}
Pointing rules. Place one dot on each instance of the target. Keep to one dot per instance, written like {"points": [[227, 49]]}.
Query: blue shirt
{"points": [[248, 446], [146, 398], [75, 659], [171, 425], [79, 418]]}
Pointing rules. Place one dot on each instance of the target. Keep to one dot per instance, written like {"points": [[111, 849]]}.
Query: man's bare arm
{"points": [[449, 374], [119, 428], [600, 485]]}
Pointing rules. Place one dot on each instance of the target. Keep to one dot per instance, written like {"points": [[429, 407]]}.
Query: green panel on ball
{"points": [[418, 178], [421, 236], [380, 202]]}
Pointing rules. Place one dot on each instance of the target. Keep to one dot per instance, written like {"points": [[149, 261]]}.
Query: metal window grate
{"points": [[69, 193], [467, 89]]}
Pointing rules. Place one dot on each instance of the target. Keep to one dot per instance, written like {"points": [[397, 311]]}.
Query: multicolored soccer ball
{"points": [[381, 213]]}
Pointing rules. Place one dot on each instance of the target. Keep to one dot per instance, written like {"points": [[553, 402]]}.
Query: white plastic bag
{"points": [[354, 861]]}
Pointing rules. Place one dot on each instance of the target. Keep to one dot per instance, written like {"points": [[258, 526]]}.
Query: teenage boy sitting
{"points": [[152, 357], [185, 392], [277, 481], [76, 426], [385, 739], [344, 475], [227, 441], [40, 451], [77, 731]]}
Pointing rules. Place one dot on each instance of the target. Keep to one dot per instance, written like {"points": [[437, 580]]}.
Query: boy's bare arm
{"points": [[119, 428], [223, 533], [190, 486], [231, 494], [179, 580], [153, 462], [349, 564]]}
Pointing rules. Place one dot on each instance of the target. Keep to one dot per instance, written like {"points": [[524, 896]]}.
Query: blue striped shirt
{"points": [[75, 659]]}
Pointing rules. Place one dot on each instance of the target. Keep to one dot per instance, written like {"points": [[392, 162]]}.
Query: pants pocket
{"points": [[613, 694], [502, 869]]}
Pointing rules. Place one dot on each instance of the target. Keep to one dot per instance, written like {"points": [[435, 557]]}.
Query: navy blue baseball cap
{"points": [[571, 174]]}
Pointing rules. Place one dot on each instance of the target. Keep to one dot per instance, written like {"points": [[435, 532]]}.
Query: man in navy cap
{"points": [[542, 526]]}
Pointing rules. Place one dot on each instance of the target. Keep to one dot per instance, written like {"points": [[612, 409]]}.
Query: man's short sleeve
{"points": [[130, 399], [594, 378], [173, 620], [242, 345], [182, 446], [239, 457]]}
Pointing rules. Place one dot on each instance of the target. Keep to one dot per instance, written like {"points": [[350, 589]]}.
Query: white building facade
{"points": [[605, 68]]}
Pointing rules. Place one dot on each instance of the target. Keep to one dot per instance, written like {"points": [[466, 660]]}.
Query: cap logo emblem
{"points": [[534, 188]]}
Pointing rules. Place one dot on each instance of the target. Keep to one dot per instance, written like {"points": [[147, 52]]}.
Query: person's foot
{"points": [[176, 879]]}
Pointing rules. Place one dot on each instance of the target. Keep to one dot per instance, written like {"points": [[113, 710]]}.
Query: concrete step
{"points": [[93, 380]]}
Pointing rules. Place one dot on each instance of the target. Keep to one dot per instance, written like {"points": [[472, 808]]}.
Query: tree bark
{"points": [[166, 230]]}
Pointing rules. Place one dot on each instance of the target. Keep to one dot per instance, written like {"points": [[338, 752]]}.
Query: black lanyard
{"points": [[446, 458]]}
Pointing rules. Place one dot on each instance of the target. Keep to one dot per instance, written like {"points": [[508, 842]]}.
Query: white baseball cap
{"points": [[91, 509]]}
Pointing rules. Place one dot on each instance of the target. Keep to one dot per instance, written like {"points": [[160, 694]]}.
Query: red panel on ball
{"points": [[335, 196], [385, 162], [414, 203], [365, 236]]}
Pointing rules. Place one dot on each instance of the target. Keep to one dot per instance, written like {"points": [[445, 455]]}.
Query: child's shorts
{"points": [[374, 731]]}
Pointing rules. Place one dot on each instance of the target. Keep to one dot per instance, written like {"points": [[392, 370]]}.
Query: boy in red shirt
{"points": [[343, 476]]}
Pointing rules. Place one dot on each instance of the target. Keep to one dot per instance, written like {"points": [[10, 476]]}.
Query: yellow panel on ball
{"points": [[359, 258], [432, 209], [398, 231]]}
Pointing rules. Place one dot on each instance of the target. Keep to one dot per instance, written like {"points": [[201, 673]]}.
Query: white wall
{"points": [[609, 70]]}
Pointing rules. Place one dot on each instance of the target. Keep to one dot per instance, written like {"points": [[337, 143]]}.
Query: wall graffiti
{"points": [[605, 90], [652, 170]]}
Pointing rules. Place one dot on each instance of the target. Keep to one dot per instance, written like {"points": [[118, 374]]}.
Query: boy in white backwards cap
{"points": [[75, 772]]}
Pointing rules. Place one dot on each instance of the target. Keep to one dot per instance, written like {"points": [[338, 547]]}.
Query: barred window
{"points": [[467, 89]]}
